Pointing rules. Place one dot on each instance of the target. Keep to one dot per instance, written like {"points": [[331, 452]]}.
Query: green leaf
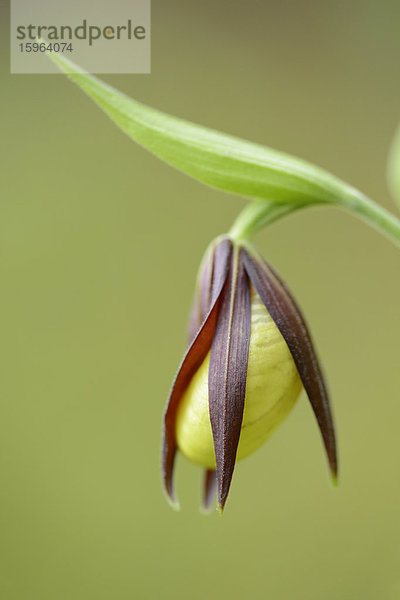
{"points": [[225, 162], [394, 167]]}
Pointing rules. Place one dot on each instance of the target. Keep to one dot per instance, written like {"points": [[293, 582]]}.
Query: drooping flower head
{"points": [[250, 352]]}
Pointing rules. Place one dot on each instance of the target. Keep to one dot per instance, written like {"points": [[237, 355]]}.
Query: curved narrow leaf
{"points": [[215, 158], [225, 162]]}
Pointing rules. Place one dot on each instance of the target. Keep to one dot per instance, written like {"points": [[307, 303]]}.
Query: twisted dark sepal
{"points": [[287, 316], [228, 373], [203, 293], [192, 360]]}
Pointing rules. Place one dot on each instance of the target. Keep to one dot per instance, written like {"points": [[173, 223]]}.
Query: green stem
{"points": [[257, 215], [375, 215], [260, 213]]}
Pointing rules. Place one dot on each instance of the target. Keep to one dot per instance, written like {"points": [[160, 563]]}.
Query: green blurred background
{"points": [[100, 244]]}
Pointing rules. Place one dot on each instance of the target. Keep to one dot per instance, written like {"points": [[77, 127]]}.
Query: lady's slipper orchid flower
{"points": [[250, 354]]}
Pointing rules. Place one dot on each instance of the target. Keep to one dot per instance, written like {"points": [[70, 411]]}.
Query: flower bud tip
{"points": [[174, 503], [335, 480], [220, 509], [205, 510]]}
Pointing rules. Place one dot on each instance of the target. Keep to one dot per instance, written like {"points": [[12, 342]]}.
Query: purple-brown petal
{"points": [[210, 486], [191, 362], [202, 298], [228, 372], [288, 318]]}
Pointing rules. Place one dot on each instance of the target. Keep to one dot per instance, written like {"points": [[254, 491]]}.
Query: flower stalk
{"points": [[258, 214]]}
